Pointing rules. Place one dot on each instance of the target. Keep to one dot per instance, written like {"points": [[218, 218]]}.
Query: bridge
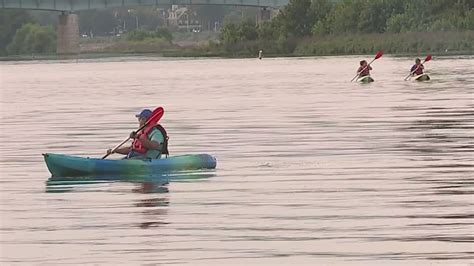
{"points": [[68, 26], [80, 5]]}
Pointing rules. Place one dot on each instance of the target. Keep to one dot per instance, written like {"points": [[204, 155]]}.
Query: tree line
{"points": [[302, 22], [303, 27]]}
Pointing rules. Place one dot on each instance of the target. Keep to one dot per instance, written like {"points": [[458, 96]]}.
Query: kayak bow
{"points": [[422, 77], [365, 79]]}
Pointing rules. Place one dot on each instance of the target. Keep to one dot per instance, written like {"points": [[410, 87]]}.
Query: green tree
{"points": [[469, 20], [247, 31], [343, 18], [320, 10], [270, 30], [33, 38], [10, 22], [373, 16], [398, 23], [229, 34], [298, 18]]}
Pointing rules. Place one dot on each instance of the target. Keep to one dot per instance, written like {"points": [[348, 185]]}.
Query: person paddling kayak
{"points": [[417, 68], [149, 143], [363, 72], [364, 69]]}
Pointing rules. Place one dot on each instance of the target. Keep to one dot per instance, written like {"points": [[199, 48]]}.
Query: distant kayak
{"points": [[422, 77], [61, 165], [365, 79]]}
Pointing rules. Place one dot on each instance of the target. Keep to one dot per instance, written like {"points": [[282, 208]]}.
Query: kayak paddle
{"points": [[377, 56], [154, 118], [428, 58]]}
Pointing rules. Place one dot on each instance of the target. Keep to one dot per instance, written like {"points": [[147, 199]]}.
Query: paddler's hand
{"points": [[133, 135], [109, 151]]}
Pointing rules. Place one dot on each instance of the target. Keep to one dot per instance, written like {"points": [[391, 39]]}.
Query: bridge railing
{"points": [[79, 5]]}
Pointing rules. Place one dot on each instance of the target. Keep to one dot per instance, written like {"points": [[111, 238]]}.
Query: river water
{"points": [[311, 167]]}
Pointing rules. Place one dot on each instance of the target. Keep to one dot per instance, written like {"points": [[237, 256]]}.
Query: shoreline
{"points": [[399, 44], [167, 55]]}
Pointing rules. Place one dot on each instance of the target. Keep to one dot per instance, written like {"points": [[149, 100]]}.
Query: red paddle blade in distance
{"points": [[428, 58], [379, 54]]}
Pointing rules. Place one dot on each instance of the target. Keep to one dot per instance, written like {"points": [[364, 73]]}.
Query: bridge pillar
{"points": [[68, 34], [263, 15]]}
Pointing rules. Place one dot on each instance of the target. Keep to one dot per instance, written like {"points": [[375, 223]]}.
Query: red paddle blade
{"points": [[155, 116], [379, 54], [428, 58]]}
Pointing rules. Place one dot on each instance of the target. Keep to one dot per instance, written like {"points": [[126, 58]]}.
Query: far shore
{"points": [[206, 45], [191, 55]]}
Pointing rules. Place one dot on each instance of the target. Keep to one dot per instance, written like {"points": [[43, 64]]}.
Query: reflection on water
{"points": [[155, 206], [313, 169], [147, 183], [157, 177]]}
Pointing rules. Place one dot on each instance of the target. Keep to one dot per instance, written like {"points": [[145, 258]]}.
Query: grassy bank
{"points": [[440, 43], [400, 43], [454, 42]]}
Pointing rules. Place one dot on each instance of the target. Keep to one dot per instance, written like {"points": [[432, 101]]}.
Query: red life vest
{"points": [[418, 71], [365, 71], [138, 146]]}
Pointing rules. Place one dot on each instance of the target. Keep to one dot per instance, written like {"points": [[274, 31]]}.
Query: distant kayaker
{"points": [[364, 69], [417, 68], [260, 54], [150, 143]]}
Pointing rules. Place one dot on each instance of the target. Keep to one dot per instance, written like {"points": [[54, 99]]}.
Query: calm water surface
{"points": [[311, 168]]}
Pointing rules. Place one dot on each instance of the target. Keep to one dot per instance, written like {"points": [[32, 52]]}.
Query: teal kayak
{"points": [[422, 77], [61, 165], [365, 79]]}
